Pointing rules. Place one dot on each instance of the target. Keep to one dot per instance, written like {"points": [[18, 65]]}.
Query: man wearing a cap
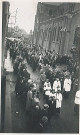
{"points": [[45, 110], [35, 115]]}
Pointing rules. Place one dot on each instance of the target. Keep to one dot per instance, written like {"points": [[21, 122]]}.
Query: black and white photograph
{"points": [[40, 67]]}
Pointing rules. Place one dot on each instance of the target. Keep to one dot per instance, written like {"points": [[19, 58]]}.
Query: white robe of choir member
{"points": [[58, 100], [67, 85], [56, 85], [29, 99], [47, 86]]}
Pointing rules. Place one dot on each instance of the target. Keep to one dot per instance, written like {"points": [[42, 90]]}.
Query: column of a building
{"points": [[68, 34], [50, 37], [0, 55]]}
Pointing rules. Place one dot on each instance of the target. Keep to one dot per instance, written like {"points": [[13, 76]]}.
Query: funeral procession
{"points": [[40, 69]]}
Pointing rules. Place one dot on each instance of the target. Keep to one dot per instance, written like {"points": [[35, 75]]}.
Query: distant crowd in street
{"points": [[57, 76]]}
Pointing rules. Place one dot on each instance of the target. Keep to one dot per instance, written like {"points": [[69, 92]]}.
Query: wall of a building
{"points": [[48, 27], [5, 18], [64, 18], [74, 25], [0, 56]]}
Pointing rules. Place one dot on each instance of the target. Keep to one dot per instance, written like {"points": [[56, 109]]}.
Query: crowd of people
{"points": [[55, 83]]}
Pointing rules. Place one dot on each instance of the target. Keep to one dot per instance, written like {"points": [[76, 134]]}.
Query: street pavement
{"points": [[16, 118]]}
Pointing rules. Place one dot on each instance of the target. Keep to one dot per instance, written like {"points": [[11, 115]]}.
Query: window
{"points": [[59, 35], [50, 12], [48, 33], [61, 11], [53, 34], [77, 36], [41, 33], [71, 7], [45, 34]]}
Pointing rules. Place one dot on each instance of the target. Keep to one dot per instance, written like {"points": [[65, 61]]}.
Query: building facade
{"points": [[5, 19], [55, 26]]}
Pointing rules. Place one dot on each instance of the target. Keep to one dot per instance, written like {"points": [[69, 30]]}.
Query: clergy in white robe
{"points": [[56, 85], [47, 85], [58, 101], [28, 100], [67, 86], [77, 102]]}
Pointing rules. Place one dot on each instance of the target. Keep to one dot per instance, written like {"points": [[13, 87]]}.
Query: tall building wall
{"points": [[57, 32], [75, 23], [5, 18]]}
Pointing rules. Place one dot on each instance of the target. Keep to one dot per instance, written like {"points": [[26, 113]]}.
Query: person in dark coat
{"points": [[18, 86], [42, 80]]}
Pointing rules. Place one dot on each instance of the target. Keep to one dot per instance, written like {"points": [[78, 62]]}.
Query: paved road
{"points": [[16, 119]]}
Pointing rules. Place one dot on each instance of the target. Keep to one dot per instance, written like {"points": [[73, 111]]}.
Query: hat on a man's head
{"points": [[46, 106], [37, 107], [29, 81]]}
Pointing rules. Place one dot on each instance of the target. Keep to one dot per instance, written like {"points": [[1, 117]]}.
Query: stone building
{"points": [[56, 25], [5, 19]]}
